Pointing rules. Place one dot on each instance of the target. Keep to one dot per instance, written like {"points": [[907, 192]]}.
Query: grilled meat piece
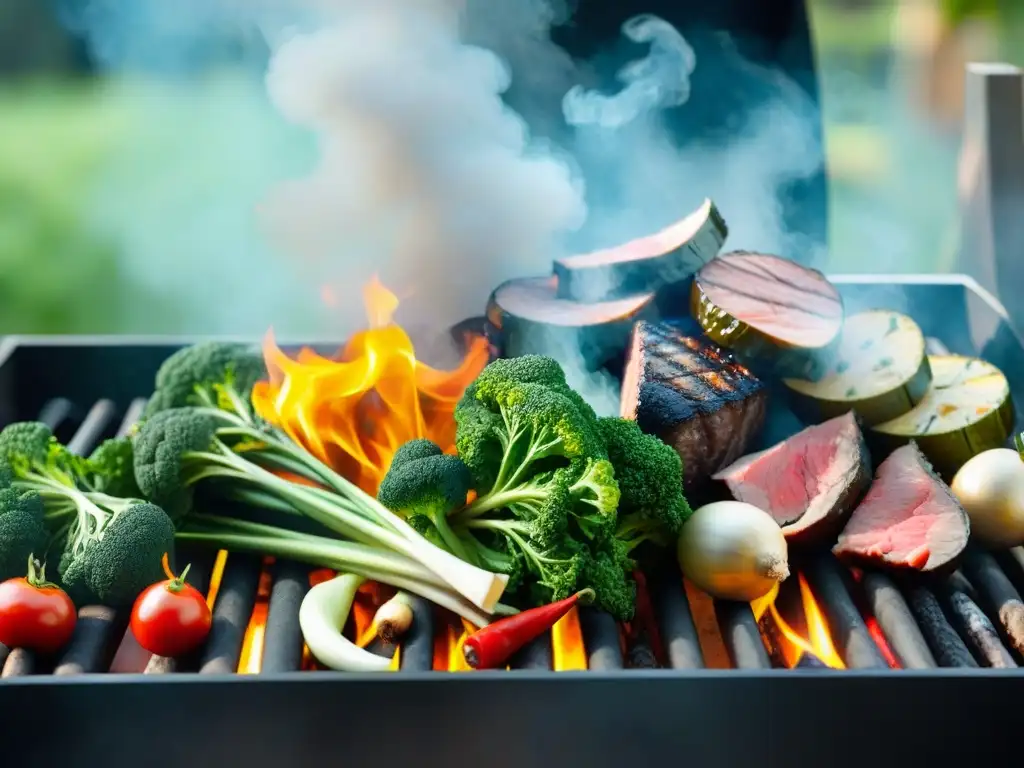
{"points": [[909, 519], [808, 483], [692, 395]]}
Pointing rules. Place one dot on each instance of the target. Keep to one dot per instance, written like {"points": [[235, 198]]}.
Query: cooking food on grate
{"points": [[530, 318], [171, 618], [990, 487], [493, 645], [22, 530], [693, 396], [394, 617], [770, 311], [809, 483], [880, 370], [649, 474], [733, 551], [547, 501], [35, 614], [646, 264], [966, 410], [909, 518], [109, 548], [322, 616], [222, 447], [562, 496]]}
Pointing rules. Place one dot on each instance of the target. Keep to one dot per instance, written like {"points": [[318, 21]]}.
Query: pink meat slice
{"points": [[808, 483], [908, 519]]}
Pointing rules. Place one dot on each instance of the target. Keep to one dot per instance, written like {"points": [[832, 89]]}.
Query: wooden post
{"points": [[991, 183]]}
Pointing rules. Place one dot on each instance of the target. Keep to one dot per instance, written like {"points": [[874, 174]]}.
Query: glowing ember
{"points": [[818, 641], [353, 413]]}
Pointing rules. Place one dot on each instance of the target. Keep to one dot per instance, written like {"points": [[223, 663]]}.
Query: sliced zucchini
{"points": [[775, 315], [967, 410], [880, 370]]}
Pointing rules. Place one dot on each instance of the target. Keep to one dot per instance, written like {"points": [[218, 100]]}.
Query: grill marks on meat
{"points": [[909, 519], [693, 396], [809, 483]]}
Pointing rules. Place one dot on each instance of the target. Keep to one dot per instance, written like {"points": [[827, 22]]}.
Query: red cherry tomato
{"points": [[171, 618], [35, 614]]}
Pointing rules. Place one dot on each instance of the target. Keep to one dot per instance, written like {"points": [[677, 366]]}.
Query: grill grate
{"points": [[974, 618]]}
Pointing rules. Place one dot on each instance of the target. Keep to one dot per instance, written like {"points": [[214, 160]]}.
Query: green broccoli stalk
{"points": [[113, 545], [177, 450], [22, 531], [546, 508], [423, 482], [650, 476]]}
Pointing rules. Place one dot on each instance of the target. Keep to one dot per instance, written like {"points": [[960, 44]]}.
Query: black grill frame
{"points": [[600, 717]]}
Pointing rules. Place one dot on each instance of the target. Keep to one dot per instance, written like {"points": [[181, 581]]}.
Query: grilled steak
{"points": [[692, 395], [808, 483], [909, 518]]}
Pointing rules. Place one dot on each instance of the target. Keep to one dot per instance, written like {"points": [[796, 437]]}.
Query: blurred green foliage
{"points": [[56, 274]]}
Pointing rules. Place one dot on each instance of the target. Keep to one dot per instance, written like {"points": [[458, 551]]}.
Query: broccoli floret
{"points": [[109, 539], [112, 468], [609, 573], [531, 369], [423, 482], [212, 373], [544, 482], [22, 531], [159, 449], [650, 477], [30, 447], [413, 450], [113, 562]]}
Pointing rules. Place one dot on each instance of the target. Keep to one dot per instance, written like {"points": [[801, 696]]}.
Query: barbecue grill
{"points": [[955, 643]]}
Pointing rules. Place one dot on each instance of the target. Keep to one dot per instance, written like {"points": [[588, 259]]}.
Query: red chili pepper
{"points": [[492, 646]]}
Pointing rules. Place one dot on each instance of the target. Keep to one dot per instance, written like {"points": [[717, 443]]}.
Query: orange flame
{"points": [[353, 413], [818, 641]]}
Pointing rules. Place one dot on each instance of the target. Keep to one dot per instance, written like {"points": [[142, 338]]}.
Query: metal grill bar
{"points": [[742, 635], [535, 655], [897, 622], [601, 637], [417, 648], [282, 641], [678, 632], [232, 610], [849, 631]]}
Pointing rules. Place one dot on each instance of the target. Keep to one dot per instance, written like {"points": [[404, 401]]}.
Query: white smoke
{"points": [[423, 174]]}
